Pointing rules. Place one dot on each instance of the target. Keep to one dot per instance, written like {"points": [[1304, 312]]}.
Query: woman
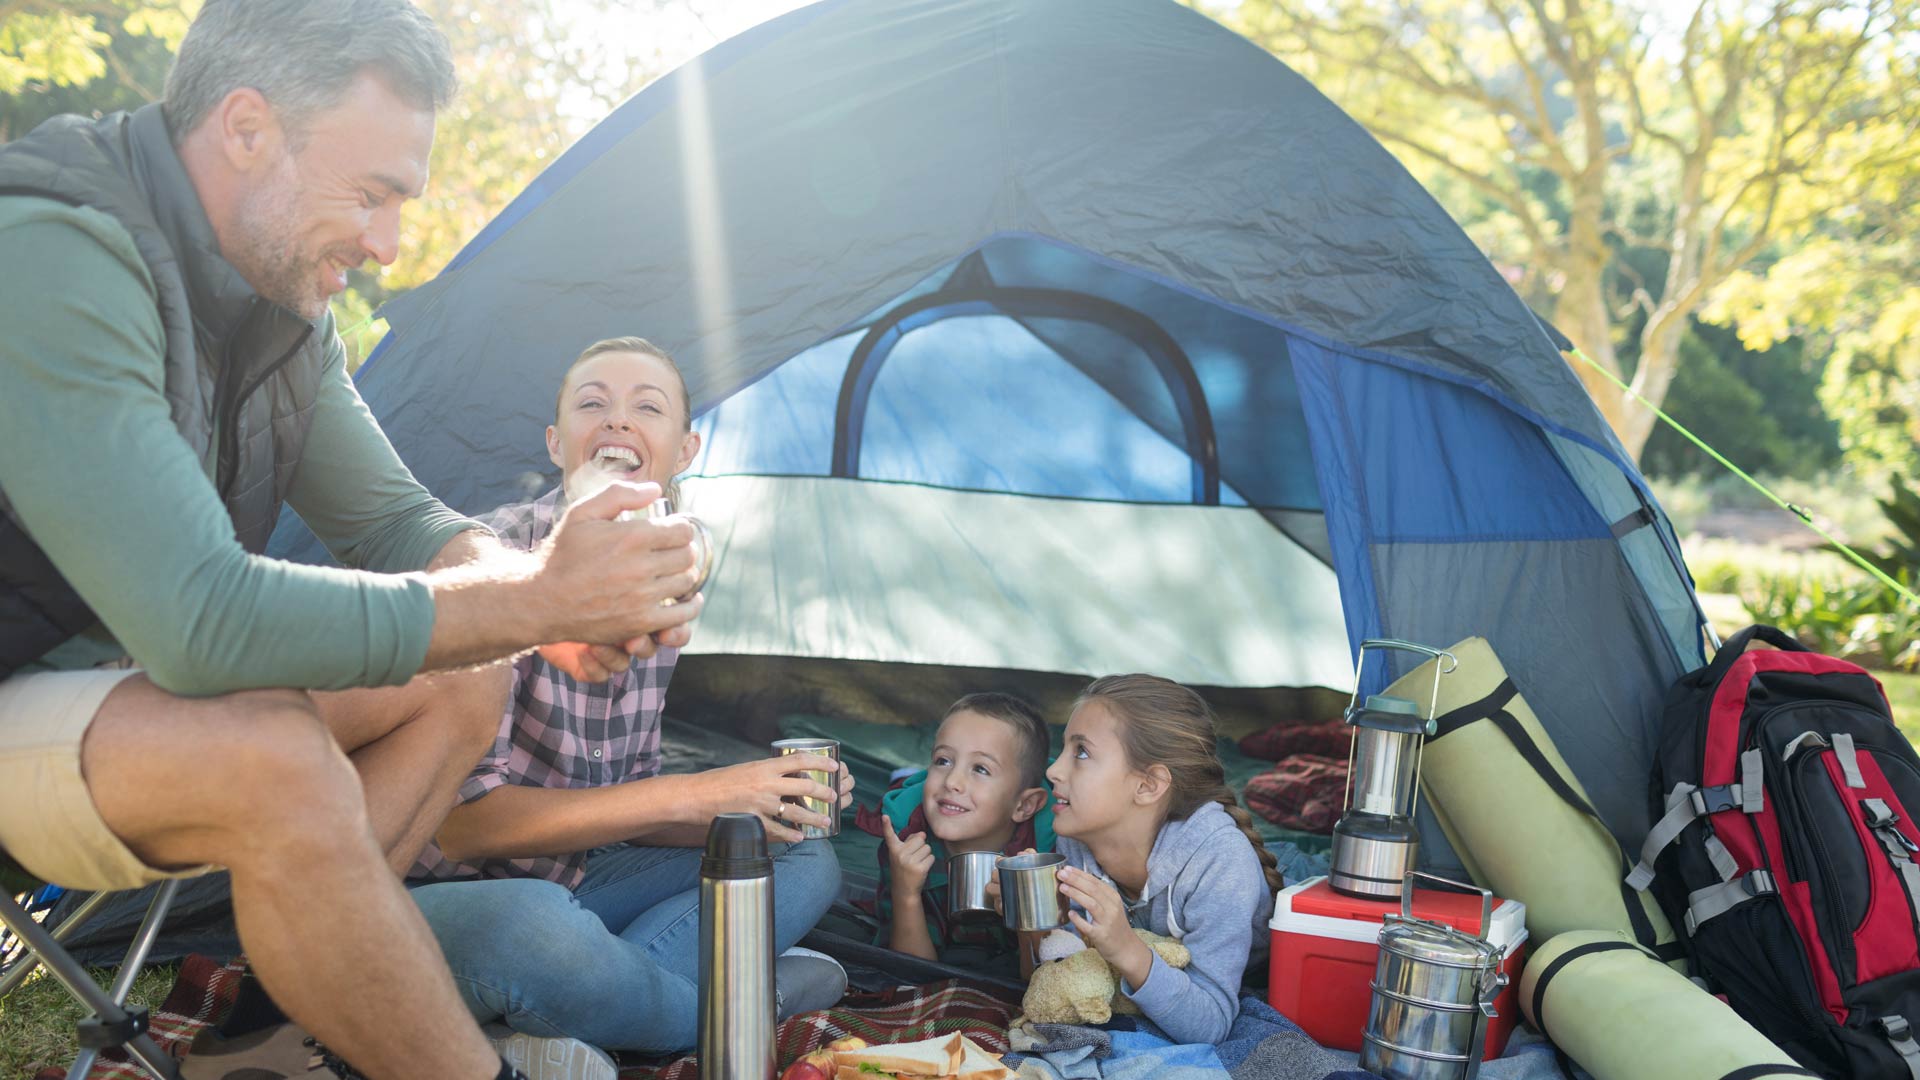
{"points": [[564, 887]]}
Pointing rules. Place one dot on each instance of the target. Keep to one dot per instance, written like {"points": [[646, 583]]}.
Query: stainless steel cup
{"points": [[828, 748], [663, 507], [967, 877], [1030, 891]]}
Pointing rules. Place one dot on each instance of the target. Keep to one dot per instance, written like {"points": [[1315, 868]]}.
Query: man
{"points": [[169, 376]]}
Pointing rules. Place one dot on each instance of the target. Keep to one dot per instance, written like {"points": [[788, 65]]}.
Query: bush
{"points": [[1861, 620]]}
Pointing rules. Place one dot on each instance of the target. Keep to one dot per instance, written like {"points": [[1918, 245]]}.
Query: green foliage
{"points": [[1900, 556], [1826, 613], [1761, 409]]}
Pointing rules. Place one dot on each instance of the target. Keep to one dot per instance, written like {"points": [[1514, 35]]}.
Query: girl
{"points": [[1147, 823]]}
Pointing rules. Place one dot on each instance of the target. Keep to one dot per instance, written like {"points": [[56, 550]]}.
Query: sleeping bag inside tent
{"points": [[1036, 340]]}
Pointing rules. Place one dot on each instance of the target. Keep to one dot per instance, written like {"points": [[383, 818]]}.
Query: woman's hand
{"points": [[1104, 926], [763, 787], [910, 860]]}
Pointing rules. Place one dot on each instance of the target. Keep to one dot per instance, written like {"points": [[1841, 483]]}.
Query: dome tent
{"points": [[1064, 335]]}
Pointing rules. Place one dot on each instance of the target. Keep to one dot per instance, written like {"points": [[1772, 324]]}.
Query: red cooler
{"points": [[1325, 945]]}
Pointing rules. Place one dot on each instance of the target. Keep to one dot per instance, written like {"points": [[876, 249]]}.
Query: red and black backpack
{"points": [[1786, 851]]}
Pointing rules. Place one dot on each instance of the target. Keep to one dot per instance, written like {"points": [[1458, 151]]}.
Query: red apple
{"points": [[806, 1070]]}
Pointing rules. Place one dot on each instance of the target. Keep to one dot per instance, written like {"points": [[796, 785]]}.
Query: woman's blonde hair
{"points": [[645, 348], [1164, 723]]}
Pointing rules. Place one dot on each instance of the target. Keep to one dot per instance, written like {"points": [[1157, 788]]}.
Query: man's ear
{"points": [[248, 131], [1029, 803], [553, 447], [1156, 781]]}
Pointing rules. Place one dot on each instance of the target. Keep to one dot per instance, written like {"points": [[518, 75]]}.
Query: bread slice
{"points": [[979, 1063], [938, 1056]]}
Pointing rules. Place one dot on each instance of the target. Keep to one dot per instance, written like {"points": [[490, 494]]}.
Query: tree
{"points": [[1566, 133], [62, 55]]}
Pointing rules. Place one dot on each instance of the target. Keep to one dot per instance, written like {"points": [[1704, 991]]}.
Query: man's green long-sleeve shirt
{"points": [[103, 481]]}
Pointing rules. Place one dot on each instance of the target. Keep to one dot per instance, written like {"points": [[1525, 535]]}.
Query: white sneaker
{"points": [[806, 981], [543, 1058]]}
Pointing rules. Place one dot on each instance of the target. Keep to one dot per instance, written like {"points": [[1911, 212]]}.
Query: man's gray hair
{"points": [[302, 55]]}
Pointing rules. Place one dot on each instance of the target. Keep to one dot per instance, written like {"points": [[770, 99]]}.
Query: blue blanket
{"points": [[1262, 1045]]}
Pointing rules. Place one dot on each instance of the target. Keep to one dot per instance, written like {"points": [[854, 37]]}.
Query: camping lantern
{"points": [[1374, 843]]}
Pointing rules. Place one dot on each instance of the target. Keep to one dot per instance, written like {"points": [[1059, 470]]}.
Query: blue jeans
{"points": [[616, 961]]}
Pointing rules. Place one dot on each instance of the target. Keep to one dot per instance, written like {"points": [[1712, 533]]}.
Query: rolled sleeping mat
{"points": [[1514, 812], [1621, 1014]]}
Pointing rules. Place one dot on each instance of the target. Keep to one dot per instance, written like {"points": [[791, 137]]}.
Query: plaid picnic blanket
{"points": [[201, 994], [205, 989], [904, 1014]]}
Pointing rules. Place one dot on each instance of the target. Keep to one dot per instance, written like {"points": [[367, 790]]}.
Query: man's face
{"points": [[333, 199]]}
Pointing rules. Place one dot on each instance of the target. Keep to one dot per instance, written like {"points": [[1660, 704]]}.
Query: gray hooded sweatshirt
{"points": [[1206, 889]]}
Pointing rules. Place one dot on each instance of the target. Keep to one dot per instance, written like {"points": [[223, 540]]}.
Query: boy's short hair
{"points": [[1031, 730]]}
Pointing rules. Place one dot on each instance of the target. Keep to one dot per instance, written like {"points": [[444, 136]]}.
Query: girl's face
{"points": [[1093, 785], [622, 416]]}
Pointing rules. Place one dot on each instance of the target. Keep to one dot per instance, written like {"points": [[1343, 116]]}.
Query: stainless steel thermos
{"points": [[736, 951]]}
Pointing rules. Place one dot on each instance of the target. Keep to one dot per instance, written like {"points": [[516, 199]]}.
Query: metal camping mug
{"points": [[829, 807], [662, 507], [1030, 891], [967, 877]]}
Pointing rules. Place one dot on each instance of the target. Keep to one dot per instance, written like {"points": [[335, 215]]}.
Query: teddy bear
{"points": [[1072, 983]]}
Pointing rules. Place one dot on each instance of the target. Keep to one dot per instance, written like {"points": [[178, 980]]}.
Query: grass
{"points": [[1903, 691], [37, 1020]]}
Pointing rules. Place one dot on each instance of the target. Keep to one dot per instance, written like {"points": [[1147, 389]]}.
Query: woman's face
{"points": [[622, 416]]}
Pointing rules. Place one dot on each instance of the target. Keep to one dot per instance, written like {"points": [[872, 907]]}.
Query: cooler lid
{"points": [[1313, 907]]}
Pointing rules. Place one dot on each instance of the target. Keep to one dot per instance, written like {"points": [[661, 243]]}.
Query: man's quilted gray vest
{"points": [[239, 370]]}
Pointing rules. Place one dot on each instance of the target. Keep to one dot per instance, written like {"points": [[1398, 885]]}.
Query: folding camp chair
{"points": [[112, 1024]]}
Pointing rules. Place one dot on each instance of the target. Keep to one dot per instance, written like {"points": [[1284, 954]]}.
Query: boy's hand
{"points": [[911, 859], [993, 889]]}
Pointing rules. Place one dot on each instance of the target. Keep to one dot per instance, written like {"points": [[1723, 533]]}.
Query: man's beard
{"points": [[267, 249]]}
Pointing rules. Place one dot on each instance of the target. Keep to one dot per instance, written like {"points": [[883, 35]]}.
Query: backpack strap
{"points": [[1849, 759], [1704, 905], [1900, 850], [1685, 804], [1900, 1037], [1757, 1072]]}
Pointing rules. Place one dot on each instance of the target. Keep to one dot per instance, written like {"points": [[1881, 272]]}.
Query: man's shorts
{"points": [[48, 823]]}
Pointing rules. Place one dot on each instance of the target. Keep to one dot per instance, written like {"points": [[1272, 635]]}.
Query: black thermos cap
{"points": [[736, 848]]}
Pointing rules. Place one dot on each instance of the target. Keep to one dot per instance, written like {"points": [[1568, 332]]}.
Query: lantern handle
{"points": [[1486, 898]]}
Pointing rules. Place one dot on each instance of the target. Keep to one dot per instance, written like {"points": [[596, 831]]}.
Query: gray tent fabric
{"points": [[1173, 271]]}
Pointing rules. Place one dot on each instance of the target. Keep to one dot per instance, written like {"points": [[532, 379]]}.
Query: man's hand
{"points": [[910, 860], [605, 582]]}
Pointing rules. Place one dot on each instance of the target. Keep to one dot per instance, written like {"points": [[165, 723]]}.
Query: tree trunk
{"points": [[1659, 359], [1581, 314]]}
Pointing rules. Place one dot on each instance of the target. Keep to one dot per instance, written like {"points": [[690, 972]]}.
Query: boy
{"points": [[985, 790]]}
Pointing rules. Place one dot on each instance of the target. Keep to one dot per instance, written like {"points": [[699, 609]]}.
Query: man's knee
{"points": [[469, 706], [282, 766]]}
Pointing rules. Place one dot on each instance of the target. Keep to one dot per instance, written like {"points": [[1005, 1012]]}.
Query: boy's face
{"points": [[620, 417], [974, 790]]}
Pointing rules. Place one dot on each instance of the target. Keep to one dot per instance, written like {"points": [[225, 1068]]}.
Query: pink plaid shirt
{"points": [[558, 732]]}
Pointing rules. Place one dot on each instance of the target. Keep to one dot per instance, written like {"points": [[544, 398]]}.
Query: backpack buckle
{"points": [[1895, 1028], [1716, 800]]}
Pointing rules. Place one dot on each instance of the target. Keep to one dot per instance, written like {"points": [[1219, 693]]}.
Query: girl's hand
{"points": [[762, 787], [1104, 925], [910, 860]]}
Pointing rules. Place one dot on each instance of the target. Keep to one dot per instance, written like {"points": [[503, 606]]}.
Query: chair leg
{"points": [[107, 1009], [29, 962]]}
